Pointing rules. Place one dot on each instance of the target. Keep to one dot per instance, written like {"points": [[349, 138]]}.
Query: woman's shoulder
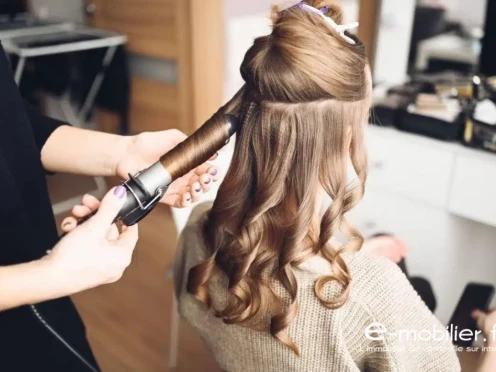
{"points": [[196, 220], [375, 278], [191, 248], [366, 267], [199, 214], [191, 237], [383, 295]]}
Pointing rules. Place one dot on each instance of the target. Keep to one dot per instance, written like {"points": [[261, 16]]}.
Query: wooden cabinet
{"points": [[154, 105], [150, 25], [188, 32], [369, 23]]}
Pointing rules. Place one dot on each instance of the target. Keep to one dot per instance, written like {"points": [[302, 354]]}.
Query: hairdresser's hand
{"points": [[144, 149], [95, 252], [486, 322], [387, 246]]}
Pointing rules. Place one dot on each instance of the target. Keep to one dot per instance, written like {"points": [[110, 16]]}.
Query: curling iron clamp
{"points": [[148, 186]]}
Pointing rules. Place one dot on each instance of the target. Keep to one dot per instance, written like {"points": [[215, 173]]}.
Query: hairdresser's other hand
{"points": [[387, 246], [144, 149], [486, 322], [95, 252]]}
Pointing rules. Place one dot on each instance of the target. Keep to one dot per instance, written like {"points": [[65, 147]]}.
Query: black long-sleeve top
{"points": [[27, 231]]}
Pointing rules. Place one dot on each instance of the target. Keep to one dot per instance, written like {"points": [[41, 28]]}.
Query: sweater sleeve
{"points": [[403, 334]]}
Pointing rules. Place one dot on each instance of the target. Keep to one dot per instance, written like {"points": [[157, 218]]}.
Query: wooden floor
{"points": [[128, 322]]}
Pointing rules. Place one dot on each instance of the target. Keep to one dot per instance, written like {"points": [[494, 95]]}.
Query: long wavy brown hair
{"points": [[303, 109]]}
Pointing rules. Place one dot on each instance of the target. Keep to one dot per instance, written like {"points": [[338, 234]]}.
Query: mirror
{"points": [[446, 35], [429, 36]]}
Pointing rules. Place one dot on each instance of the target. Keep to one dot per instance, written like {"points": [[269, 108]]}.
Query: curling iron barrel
{"points": [[147, 187]]}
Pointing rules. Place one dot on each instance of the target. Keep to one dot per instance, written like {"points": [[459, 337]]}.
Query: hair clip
{"points": [[340, 29], [324, 9]]}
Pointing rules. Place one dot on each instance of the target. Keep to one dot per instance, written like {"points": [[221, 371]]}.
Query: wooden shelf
{"points": [[154, 106], [150, 25]]}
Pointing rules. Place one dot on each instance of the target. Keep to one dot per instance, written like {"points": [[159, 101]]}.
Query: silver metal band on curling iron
{"points": [[154, 177]]}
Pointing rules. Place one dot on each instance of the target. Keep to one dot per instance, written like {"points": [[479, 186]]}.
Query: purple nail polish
{"points": [[214, 172], [198, 189], [120, 192], [207, 181]]}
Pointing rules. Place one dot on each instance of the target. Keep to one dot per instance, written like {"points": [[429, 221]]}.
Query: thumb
{"points": [[476, 314], [111, 204], [165, 140], [479, 317]]}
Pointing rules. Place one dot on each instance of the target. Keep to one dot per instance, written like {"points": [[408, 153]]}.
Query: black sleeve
{"points": [[43, 126]]}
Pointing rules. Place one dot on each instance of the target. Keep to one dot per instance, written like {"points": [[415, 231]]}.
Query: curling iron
{"points": [[148, 186]]}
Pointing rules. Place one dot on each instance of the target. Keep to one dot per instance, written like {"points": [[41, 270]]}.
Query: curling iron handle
{"points": [[87, 217], [81, 221], [84, 219]]}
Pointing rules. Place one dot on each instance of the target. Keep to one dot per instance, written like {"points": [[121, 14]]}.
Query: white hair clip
{"points": [[340, 29]]}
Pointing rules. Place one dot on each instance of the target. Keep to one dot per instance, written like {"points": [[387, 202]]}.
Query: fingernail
{"points": [[188, 197], [120, 192], [213, 172], [66, 224], [207, 181], [198, 189]]}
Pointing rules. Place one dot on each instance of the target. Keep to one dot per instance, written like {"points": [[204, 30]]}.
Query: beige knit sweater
{"points": [[329, 340]]}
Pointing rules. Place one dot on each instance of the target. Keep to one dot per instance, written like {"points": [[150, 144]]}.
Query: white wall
{"points": [[393, 41], [236, 8], [469, 12], [246, 20], [71, 10]]}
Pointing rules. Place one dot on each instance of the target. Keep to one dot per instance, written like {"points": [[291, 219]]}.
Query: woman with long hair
{"points": [[257, 273]]}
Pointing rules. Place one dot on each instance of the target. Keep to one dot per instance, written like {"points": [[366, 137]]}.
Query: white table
{"points": [[19, 46], [32, 28]]}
